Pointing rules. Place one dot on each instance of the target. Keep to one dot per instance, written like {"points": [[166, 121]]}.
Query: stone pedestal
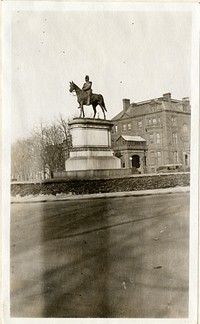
{"points": [[91, 146]]}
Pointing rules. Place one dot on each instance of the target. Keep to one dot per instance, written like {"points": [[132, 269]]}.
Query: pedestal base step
{"points": [[93, 174], [92, 163]]}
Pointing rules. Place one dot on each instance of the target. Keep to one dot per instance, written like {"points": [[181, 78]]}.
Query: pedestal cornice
{"points": [[91, 121]]}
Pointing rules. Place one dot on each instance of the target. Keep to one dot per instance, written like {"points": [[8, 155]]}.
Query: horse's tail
{"points": [[103, 103]]}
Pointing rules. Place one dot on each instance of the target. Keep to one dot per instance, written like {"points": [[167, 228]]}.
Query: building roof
{"points": [[130, 138], [122, 114], [149, 107]]}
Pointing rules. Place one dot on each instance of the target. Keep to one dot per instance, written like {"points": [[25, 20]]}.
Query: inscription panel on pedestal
{"points": [[90, 137]]}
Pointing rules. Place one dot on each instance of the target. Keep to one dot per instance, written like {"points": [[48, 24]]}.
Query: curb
{"points": [[63, 197]]}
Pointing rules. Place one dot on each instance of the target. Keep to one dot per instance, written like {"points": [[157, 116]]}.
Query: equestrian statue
{"points": [[86, 97]]}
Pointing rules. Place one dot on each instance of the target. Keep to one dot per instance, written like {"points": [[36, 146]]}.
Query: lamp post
{"points": [[145, 162]]}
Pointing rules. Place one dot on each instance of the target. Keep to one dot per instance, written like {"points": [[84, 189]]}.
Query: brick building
{"points": [[152, 133]]}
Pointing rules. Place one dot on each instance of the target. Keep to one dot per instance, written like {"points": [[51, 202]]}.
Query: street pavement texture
{"points": [[108, 258]]}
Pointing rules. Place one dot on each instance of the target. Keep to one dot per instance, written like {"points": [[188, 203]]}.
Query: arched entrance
{"points": [[135, 161]]}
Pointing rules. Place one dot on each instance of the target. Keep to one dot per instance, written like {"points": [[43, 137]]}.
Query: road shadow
{"points": [[77, 284]]}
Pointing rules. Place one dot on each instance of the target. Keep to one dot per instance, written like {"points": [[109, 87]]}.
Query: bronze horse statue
{"points": [[96, 99]]}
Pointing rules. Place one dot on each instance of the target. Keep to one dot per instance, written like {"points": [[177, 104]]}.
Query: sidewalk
{"points": [[63, 197]]}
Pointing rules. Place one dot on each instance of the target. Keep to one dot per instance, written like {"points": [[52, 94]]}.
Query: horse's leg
{"points": [[83, 113], [102, 105], [81, 110], [104, 114], [94, 108], [103, 110]]}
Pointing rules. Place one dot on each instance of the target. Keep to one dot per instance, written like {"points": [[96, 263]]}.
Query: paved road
{"points": [[113, 257]]}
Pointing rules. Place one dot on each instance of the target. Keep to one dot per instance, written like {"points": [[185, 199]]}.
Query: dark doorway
{"points": [[135, 161]]}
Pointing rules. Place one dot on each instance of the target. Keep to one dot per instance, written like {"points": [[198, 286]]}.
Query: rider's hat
{"points": [[87, 77]]}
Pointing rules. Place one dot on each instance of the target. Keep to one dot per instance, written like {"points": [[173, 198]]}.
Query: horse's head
{"points": [[71, 86]]}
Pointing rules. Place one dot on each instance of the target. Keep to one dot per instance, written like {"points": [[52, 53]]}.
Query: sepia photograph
{"points": [[100, 162]]}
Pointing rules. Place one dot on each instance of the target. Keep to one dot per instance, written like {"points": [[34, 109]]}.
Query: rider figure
{"points": [[87, 88]]}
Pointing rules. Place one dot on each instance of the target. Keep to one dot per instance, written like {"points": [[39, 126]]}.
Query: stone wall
{"points": [[77, 187]]}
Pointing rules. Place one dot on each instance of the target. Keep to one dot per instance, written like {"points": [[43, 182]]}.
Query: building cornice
{"points": [[179, 112], [152, 113]]}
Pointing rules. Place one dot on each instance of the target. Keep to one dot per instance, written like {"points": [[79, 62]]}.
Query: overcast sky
{"points": [[135, 55]]}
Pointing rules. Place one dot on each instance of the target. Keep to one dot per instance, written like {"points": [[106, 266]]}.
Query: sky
{"points": [[127, 54]]}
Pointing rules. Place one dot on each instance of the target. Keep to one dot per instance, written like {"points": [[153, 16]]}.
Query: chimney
{"points": [[186, 104], [167, 96], [186, 100], [126, 104]]}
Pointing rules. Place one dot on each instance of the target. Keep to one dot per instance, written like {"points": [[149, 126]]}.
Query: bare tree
{"points": [[67, 142], [43, 153], [50, 148], [25, 162]]}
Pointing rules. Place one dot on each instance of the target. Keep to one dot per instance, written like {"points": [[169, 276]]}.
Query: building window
{"points": [[124, 127], [159, 159], [158, 138], [186, 160], [158, 120], [152, 158], [149, 121], [151, 137], [140, 124], [116, 128], [129, 126], [185, 131], [154, 121], [173, 119], [174, 138], [175, 157]]}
